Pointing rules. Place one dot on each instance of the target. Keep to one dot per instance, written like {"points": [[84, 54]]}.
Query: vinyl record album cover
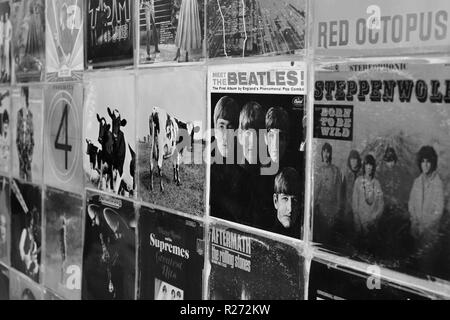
{"points": [[171, 256], [5, 131], [22, 288], [6, 35], [109, 255], [5, 220], [171, 131]]}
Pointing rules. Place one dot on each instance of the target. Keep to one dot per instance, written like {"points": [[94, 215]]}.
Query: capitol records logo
{"points": [[297, 102]]}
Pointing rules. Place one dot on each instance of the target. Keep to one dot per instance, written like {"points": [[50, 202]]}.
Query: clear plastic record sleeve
{"points": [[4, 283], [381, 169], [65, 40], [6, 35], [170, 32], [5, 130], [171, 131], [109, 33], [5, 220], [256, 27], [171, 256], [248, 267], [22, 288], [28, 19], [63, 244], [109, 255], [64, 147]]}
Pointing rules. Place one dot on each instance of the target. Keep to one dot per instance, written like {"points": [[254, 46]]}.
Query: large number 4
{"points": [[64, 146]]}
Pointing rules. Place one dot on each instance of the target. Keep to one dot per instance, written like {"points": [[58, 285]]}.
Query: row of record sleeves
{"points": [[53, 41], [274, 167]]}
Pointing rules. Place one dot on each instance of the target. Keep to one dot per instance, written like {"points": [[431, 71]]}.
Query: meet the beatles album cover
{"points": [[109, 33], [6, 35], [4, 283], [63, 243], [171, 31], [28, 19], [171, 130], [65, 40], [248, 267], [257, 160], [5, 131], [381, 163], [109, 255], [26, 229], [171, 256], [27, 126], [22, 288], [5, 220], [256, 27]]}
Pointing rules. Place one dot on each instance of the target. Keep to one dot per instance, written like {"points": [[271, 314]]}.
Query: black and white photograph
{"points": [[26, 229], [26, 127], [28, 36], [256, 28], [22, 288], [171, 130], [109, 134], [109, 255], [6, 35], [171, 256], [171, 31], [257, 160], [248, 267], [51, 296], [5, 220], [381, 164], [63, 244], [5, 131], [4, 283], [109, 33]]}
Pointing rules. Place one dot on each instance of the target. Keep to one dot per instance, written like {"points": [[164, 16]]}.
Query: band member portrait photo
{"points": [[25, 136]]}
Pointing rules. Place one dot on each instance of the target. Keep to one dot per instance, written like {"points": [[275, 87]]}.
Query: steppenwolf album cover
{"points": [[64, 40], [5, 220], [26, 229], [109, 130], [257, 117], [171, 130], [22, 288], [249, 267], [171, 256], [109, 255], [109, 33], [28, 36], [381, 169], [63, 244], [170, 31], [255, 27]]}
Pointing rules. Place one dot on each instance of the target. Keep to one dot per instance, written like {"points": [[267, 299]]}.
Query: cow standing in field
{"points": [[105, 155], [169, 138]]}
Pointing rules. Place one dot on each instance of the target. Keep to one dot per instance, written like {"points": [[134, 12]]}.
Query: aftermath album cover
{"points": [[171, 31], [257, 117], [6, 35], [109, 255], [171, 131], [109, 159], [5, 220], [248, 267], [26, 127], [256, 27], [109, 33], [28, 36], [65, 40], [22, 288], [381, 163], [5, 131], [171, 256], [332, 282], [26, 229], [4, 283], [63, 243], [63, 146]]}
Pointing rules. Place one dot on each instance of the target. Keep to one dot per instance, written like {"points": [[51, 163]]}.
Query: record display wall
{"points": [[232, 149]]}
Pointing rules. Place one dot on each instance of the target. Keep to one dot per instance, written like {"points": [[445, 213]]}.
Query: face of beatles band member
{"points": [[326, 156], [426, 166], [287, 209], [369, 169], [276, 141], [249, 142], [354, 164], [223, 135]]}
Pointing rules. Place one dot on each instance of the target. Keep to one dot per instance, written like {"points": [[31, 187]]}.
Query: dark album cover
{"points": [[257, 160], [6, 35], [26, 229], [4, 283], [381, 163], [5, 220], [63, 243], [171, 256], [109, 33], [5, 131], [26, 125], [63, 137], [109, 159], [65, 40], [22, 288], [109, 256], [28, 19], [249, 267], [171, 31], [171, 129], [256, 27]]}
